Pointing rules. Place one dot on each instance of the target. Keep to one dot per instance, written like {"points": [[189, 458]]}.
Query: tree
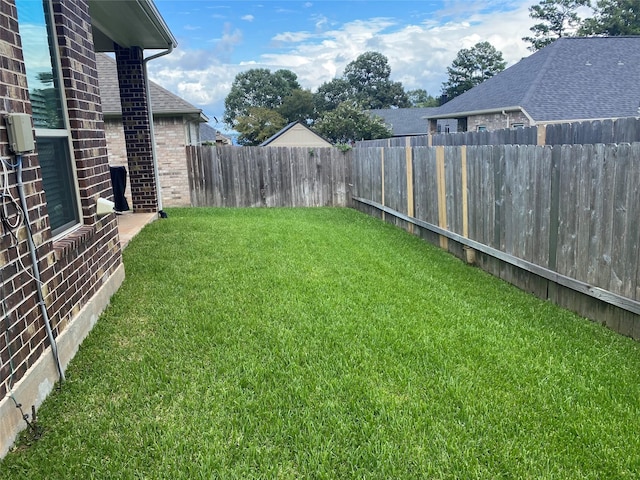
{"points": [[331, 94], [257, 125], [369, 77], [349, 123], [471, 67], [257, 88], [613, 18], [298, 107], [419, 98], [558, 18]]}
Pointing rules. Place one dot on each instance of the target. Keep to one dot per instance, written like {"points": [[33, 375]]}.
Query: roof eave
{"points": [[129, 23], [196, 114], [474, 112]]}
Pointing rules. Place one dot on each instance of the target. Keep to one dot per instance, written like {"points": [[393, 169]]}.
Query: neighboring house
{"points": [[405, 122], [176, 124], [296, 134], [573, 79], [411, 122], [57, 275], [210, 135]]}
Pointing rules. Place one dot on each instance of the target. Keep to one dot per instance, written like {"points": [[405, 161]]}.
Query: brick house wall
{"points": [[171, 142], [497, 121], [79, 269], [137, 133]]}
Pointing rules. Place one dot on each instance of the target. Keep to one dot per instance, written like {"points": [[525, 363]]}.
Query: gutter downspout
{"points": [[161, 213], [506, 115]]}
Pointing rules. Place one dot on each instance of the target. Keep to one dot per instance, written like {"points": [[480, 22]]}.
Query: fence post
{"points": [[408, 153], [542, 134], [442, 195], [382, 179]]}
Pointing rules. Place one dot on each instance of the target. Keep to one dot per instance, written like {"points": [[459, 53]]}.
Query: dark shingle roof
{"points": [[210, 134], [571, 79], [163, 102], [405, 121]]}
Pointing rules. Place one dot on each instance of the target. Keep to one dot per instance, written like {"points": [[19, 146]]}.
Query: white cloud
{"points": [[418, 54], [248, 18]]}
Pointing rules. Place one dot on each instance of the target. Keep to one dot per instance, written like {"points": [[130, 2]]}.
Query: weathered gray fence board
{"points": [[395, 189], [632, 243], [545, 217], [273, 177], [453, 179], [621, 130], [566, 209], [425, 185]]}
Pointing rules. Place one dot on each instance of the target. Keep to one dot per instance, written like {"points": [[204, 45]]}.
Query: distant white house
{"points": [[296, 134]]}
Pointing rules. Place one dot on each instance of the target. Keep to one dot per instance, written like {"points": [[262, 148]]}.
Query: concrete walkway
{"points": [[129, 224]]}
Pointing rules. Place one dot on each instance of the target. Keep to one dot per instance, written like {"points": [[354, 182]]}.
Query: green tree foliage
{"points": [[369, 77], [349, 123], [257, 88], [333, 93], [557, 18], [257, 125], [366, 80], [613, 18], [471, 67], [298, 106], [419, 98]]}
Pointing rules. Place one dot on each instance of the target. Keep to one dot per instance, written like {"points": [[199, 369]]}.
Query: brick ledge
{"points": [[69, 243]]}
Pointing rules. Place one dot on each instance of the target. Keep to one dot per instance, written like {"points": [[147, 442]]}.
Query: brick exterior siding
{"points": [[135, 118], [496, 121], [73, 266], [171, 153]]}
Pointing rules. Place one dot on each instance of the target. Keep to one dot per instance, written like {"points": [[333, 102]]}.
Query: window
{"points": [[481, 128], [517, 125], [51, 126]]}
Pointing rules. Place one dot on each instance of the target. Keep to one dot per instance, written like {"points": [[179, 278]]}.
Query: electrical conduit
{"points": [[36, 270]]}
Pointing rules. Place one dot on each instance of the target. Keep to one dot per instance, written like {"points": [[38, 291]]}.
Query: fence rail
{"points": [[558, 221], [569, 211]]}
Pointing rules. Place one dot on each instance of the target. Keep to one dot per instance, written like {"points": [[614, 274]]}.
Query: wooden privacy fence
{"points": [[618, 130], [561, 222], [268, 176]]}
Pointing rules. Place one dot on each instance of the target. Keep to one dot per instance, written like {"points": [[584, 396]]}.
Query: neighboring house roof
{"points": [[577, 78], [296, 134], [210, 134], [163, 102], [405, 121]]}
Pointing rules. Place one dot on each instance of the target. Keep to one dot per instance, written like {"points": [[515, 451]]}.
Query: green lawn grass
{"points": [[321, 343]]}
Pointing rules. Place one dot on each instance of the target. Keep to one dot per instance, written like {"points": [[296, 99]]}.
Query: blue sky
{"points": [[315, 39]]}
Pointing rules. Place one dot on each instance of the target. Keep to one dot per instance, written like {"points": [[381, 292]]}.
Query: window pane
{"points": [[43, 84], [57, 180]]}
